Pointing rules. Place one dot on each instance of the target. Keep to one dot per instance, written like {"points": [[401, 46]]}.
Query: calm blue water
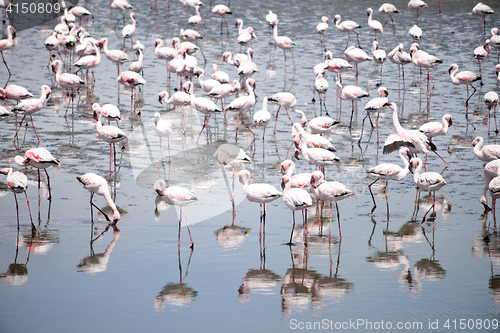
{"points": [[75, 277]]}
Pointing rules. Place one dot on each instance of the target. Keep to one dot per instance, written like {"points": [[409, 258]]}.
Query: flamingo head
{"points": [[53, 65], [46, 90], [316, 178], [132, 16], [497, 68], [369, 11], [297, 153], [336, 18], [448, 119], [452, 67], [476, 141], [285, 165], [284, 180], [238, 23], [324, 19]]}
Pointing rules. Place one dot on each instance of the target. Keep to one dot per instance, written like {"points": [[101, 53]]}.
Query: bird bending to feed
{"points": [[260, 193], [96, 184], [387, 171], [487, 153], [177, 196], [329, 191], [39, 158], [295, 199], [18, 183], [426, 181], [300, 180]]}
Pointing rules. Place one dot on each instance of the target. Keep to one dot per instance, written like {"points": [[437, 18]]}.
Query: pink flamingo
{"points": [[490, 172], [284, 43], [435, 128], [219, 75], [271, 19], [379, 56], [320, 87], [464, 77], [208, 84], [322, 27], [313, 140], [495, 40], [243, 103], [115, 56], [352, 93], [15, 93], [80, 12], [52, 44], [387, 171], [245, 35], [494, 187], [109, 134], [66, 81], [18, 183], [416, 5], [491, 100], [318, 125], [177, 196], [423, 59], [482, 10], [317, 156], [6, 44], [203, 105], [375, 105], [196, 19], [31, 105], [238, 58], [389, 9], [426, 181], [329, 191], [285, 99], [247, 68], [109, 111], [163, 129], [374, 25], [137, 66], [295, 199], [346, 26], [191, 35], [128, 31], [357, 56], [131, 80], [232, 155], [96, 184], [222, 91], [260, 193], [300, 180], [400, 58], [39, 158], [222, 11], [120, 5], [487, 153], [261, 118], [89, 62], [480, 53]]}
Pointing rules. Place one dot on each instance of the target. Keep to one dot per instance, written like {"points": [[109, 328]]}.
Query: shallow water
{"points": [[76, 277]]}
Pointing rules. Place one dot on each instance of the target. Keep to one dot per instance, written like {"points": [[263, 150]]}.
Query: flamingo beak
{"points": [[160, 100], [95, 116], [297, 154], [450, 123], [282, 184]]}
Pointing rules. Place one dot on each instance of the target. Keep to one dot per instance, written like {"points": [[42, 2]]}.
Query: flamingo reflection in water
{"points": [[96, 263], [176, 294], [230, 236], [17, 273]]}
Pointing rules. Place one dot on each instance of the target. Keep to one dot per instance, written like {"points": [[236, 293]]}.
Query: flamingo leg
{"points": [[293, 227], [34, 128], [5, 63], [373, 198], [276, 120], [387, 197], [48, 184], [29, 209], [191, 246], [338, 219]]}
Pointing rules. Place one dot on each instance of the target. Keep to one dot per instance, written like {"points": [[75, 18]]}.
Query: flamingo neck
{"points": [[275, 31], [290, 170], [453, 76], [418, 169], [477, 148], [395, 120], [116, 214], [405, 163]]}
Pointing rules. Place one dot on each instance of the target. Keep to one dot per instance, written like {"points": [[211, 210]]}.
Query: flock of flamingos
{"points": [[71, 48]]}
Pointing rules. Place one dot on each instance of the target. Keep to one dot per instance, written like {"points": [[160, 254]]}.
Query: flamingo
{"points": [[300, 180], [6, 44], [495, 40], [203, 105], [435, 128], [318, 125], [415, 32], [39, 158], [138, 46], [222, 91], [80, 12], [109, 134], [426, 181], [416, 5], [487, 153], [14, 92], [357, 56], [261, 118], [464, 77], [389, 9], [387, 171], [352, 93], [66, 81], [317, 156], [346, 26], [115, 56], [483, 10], [374, 25], [196, 19], [163, 129], [295, 199], [243, 103], [179, 98], [329, 191], [423, 59], [219, 75], [128, 31], [52, 44], [120, 5], [283, 43], [337, 65], [31, 105], [208, 84], [379, 56], [322, 27], [90, 61], [491, 100], [131, 80], [18, 183], [490, 172], [313, 140], [231, 155], [222, 11], [4, 113], [177, 196], [238, 58], [246, 35], [259, 192], [400, 58], [285, 99], [480, 53], [321, 87], [497, 70], [192, 36], [494, 187], [247, 68], [271, 19], [375, 105], [109, 111], [96, 184], [137, 66]]}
